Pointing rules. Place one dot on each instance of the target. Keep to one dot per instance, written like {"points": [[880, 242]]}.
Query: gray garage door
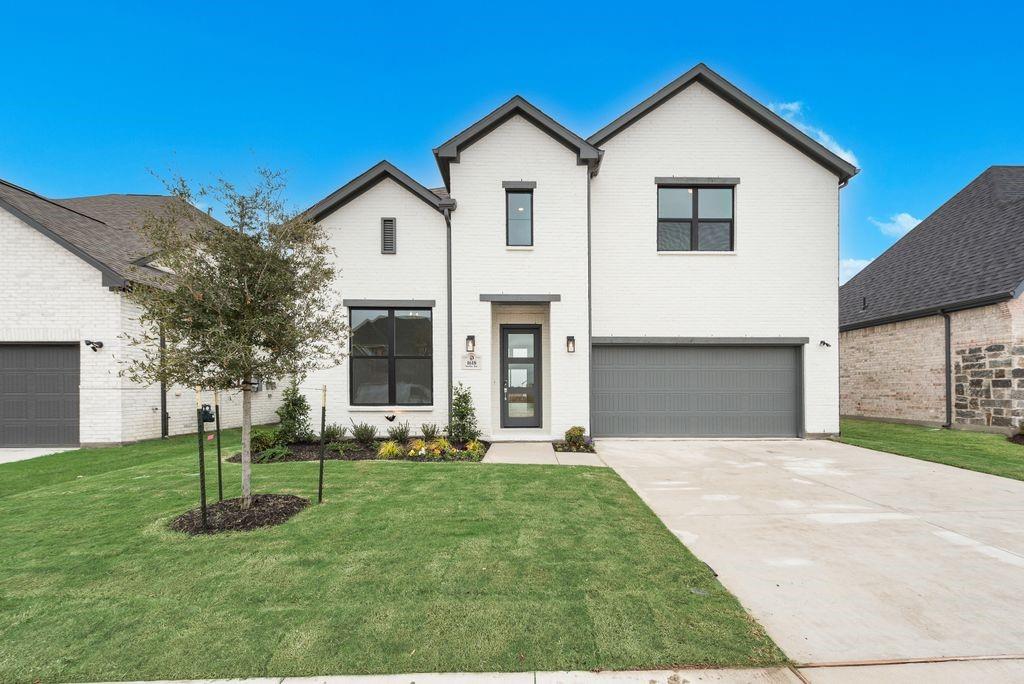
{"points": [[698, 391], [38, 395]]}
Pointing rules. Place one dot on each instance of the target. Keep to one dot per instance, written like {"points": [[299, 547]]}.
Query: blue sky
{"points": [[96, 95]]}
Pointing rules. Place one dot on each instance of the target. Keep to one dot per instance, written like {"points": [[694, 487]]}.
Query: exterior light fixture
{"points": [[823, 343], [570, 344], [95, 346], [390, 417], [471, 343]]}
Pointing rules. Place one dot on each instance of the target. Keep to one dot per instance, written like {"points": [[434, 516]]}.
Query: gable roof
{"points": [[755, 110], [368, 179], [112, 247], [969, 252], [449, 151]]}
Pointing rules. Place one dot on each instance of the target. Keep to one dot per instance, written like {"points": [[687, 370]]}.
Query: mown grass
{"points": [[406, 567], [980, 451]]}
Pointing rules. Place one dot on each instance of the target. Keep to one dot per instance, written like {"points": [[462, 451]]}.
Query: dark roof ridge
{"points": [[369, 178], [50, 201]]}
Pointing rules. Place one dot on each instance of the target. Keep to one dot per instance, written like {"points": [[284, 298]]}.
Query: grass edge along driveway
{"points": [[407, 567], [979, 451]]}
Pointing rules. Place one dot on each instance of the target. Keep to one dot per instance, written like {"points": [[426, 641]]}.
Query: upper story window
{"points": [[391, 360], [519, 218], [695, 219]]}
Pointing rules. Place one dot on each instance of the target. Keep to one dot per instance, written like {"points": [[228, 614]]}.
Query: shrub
{"points": [[260, 440], [390, 450], [430, 431], [475, 450], [576, 437], [294, 416], [364, 433], [438, 449], [334, 432], [462, 425], [399, 433], [277, 452], [342, 448]]}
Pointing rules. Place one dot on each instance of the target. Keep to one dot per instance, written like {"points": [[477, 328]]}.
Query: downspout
{"points": [[448, 224], [164, 427], [949, 369], [590, 319]]}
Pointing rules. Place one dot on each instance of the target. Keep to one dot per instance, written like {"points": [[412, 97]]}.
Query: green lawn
{"points": [[406, 567], [984, 452]]}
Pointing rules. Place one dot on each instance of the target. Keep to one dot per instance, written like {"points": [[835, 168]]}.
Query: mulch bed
{"points": [[1017, 439], [564, 446], [227, 516], [310, 451]]}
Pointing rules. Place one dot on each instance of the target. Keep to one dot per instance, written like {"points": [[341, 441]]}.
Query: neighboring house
{"points": [[933, 329], [674, 274], [64, 267]]}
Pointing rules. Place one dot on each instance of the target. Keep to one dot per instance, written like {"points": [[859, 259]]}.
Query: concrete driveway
{"points": [[846, 554], [12, 454]]}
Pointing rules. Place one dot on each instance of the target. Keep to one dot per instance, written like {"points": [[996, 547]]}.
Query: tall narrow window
{"points": [[391, 360], [695, 219], [388, 243], [519, 218]]}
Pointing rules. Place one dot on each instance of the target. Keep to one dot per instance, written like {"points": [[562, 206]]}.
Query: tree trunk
{"points": [[246, 442]]}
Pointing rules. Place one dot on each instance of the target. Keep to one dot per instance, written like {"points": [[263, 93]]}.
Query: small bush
{"points": [[417, 447], [334, 432], [342, 448], [430, 431], [364, 433], [462, 425], [271, 454], [438, 449], [399, 433], [294, 416], [261, 440], [475, 450], [576, 436], [390, 450]]}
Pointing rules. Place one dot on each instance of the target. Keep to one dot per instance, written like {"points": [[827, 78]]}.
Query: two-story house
{"points": [[674, 274]]}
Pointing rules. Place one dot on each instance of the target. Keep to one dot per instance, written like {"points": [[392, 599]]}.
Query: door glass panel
{"points": [[520, 345], [522, 401], [521, 404], [520, 375]]}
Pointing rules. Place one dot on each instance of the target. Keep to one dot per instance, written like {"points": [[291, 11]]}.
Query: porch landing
{"points": [[541, 453]]}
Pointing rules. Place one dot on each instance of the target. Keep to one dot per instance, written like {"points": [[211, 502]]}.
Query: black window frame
{"points": [[392, 357], [508, 225], [695, 220]]}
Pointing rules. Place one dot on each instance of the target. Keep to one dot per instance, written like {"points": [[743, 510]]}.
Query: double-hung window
{"points": [[391, 360], [695, 219]]}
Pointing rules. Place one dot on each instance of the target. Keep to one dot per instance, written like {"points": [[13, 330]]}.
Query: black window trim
{"points": [[518, 191], [392, 356], [695, 219]]}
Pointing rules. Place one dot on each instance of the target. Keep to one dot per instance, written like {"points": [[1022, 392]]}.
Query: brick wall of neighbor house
{"points": [[418, 270], [781, 281], [896, 371], [556, 264], [47, 294]]}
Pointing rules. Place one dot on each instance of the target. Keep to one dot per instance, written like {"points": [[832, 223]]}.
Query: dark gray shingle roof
{"points": [[99, 229], [969, 252]]}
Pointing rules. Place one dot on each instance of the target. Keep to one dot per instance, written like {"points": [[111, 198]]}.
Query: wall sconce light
{"points": [[471, 343], [823, 343], [390, 417], [570, 344], [95, 346]]}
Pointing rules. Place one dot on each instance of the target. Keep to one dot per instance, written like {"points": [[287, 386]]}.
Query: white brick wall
{"points": [[417, 271], [782, 280], [48, 294], [557, 264]]}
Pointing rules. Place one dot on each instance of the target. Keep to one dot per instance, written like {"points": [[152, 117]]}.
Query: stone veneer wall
{"points": [[896, 371]]}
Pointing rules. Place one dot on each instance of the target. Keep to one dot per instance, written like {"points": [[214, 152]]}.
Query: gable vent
{"points": [[388, 239]]}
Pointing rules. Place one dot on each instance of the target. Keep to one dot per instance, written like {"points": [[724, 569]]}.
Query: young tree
{"points": [[237, 303]]}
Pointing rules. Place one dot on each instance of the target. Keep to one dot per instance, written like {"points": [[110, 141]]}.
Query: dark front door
{"points": [[520, 376]]}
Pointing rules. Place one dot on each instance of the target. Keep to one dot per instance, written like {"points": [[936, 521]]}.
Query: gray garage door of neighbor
{"points": [[696, 391], [38, 395]]}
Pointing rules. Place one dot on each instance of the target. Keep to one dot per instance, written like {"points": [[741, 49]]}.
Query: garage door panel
{"points": [[696, 391], [39, 404]]}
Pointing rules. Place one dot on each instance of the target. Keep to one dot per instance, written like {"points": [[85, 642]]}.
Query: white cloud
{"points": [[851, 267], [793, 112], [898, 225]]}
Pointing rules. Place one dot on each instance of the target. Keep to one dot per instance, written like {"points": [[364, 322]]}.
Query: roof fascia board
{"points": [[748, 105], [369, 179], [934, 310], [110, 277]]}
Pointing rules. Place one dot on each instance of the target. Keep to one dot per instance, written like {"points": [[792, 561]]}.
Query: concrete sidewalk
{"points": [[538, 453]]}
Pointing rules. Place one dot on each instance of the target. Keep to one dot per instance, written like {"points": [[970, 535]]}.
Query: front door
{"points": [[520, 376]]}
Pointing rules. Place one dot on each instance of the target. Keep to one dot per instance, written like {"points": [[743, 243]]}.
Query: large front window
{"points": [[391, 362], [695, 219]]}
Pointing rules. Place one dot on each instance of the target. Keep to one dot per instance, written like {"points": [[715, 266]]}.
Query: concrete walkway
{"points": [[846, 554], [538, 453], [12, 454]]}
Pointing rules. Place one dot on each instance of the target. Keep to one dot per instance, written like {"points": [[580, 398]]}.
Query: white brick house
{"points": [[675, 274], [64, 265]]}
